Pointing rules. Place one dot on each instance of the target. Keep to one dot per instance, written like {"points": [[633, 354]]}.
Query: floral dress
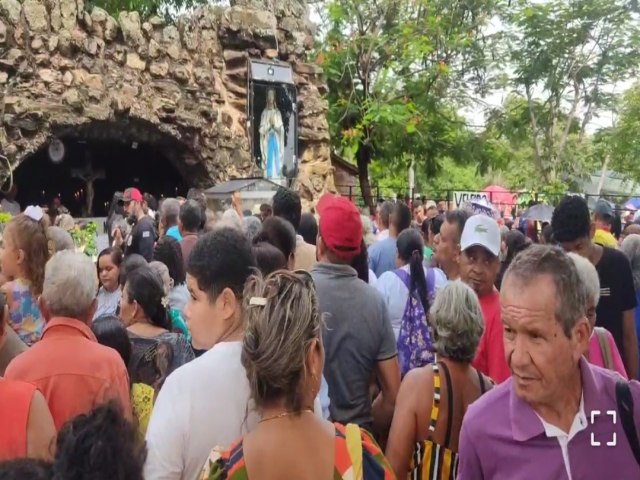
{"points": [[230, 465], [142, 397], [24, 313]]}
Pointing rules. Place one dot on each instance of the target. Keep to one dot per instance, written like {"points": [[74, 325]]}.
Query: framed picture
{"points": [[273, 120]]}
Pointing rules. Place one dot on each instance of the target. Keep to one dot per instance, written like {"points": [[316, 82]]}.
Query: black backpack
{"points": [[624, 399]]}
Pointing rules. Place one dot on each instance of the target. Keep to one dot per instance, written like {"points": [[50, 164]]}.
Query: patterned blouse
{"points": [[142, 397], [24, 314], [153, 359], [230, 465]]}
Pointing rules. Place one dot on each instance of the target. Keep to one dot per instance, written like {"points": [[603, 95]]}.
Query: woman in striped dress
{"points": [[423, 441]]}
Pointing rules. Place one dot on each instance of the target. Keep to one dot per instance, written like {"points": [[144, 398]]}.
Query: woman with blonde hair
{"points": [[433, 399], [283, 356]]}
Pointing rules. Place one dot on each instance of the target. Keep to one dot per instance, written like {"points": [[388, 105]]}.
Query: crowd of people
{"points": [[420, 343]]}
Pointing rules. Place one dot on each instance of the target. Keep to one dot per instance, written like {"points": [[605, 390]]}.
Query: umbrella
{"points": [[500, 195], [540, 213], [632, 204], [483, 207]]}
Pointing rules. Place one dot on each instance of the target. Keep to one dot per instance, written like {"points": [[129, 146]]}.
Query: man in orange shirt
{"points": [[479, 266], [73, 372]]}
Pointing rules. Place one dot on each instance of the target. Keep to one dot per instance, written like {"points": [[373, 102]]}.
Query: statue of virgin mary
{"points": [[271, 137]]}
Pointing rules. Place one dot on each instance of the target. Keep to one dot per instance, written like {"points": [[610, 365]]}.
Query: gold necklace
{"points": [[286, 414]]}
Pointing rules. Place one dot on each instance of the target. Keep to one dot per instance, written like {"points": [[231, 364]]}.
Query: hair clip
{"points": [[165, 301], [259, 301], [34, 213]]}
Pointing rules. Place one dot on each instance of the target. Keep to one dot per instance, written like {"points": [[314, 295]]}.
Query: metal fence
{"points": [[520, 199]]}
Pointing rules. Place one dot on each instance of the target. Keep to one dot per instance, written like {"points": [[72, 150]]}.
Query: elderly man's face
{"points": [[479, 269], [542, 359]]}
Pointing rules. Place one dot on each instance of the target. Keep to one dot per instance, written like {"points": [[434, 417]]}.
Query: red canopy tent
{"points": [[500, 196]]}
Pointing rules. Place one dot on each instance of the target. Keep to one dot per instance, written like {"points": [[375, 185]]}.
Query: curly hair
{"points": [[278, 334], [26, 468], [571, 220], [30, 236], [287, 205], [456, 322], [221, 259], [101, 445]]}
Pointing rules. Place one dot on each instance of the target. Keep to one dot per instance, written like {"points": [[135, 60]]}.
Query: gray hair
{"points": [[252, 226], [70, 284], [65, 221], [588, 276], [456, 322], [504, 231], [367, 230], [61, 239], [230, 219], [571, 293], [163, 272], [170, 211], [631, 248]]}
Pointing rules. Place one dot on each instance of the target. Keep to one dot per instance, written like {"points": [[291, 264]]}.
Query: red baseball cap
{"points": [[340, 226], [132, 195]]}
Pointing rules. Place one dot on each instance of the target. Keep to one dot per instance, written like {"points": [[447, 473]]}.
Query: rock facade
{"points": [[69, 72]]}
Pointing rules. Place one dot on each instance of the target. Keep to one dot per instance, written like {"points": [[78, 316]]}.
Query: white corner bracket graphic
{"points": [[614, 419]]}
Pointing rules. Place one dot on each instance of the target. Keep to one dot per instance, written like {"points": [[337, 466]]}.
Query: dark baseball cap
{"points": [[603, 209]]}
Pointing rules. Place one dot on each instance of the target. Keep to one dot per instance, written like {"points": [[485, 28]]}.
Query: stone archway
{"points": [[66, 69], [101, 157]]}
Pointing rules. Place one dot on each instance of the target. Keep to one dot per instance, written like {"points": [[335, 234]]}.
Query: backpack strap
{"points": [[435, 407], [483, 386], [354, 446], [447, 438], [404, 276], [605, 348], [624, 401]]}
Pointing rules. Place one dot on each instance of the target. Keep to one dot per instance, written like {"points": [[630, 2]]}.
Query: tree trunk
{"points": [[603, 173], [363, 158]]}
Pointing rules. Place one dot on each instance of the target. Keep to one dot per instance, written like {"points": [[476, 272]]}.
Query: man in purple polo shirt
{"points": [[553, 418]]}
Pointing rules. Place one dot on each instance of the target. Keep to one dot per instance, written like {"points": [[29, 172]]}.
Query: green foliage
{"points": [[518, 166], [564, 56], [397, 72], [165, 8], [86, 238], [5, 217], [624, 140]]}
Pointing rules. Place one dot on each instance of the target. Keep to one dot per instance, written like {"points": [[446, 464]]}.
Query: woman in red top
{"points": [[27, 425]]}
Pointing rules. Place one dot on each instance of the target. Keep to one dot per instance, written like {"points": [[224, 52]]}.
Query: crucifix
{"points": [[89, 176]]}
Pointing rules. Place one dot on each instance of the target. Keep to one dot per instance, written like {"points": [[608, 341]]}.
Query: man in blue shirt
{"points": [[382, 254]]}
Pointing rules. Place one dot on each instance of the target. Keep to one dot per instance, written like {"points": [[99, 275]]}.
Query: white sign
{"points": [[461, 196]]}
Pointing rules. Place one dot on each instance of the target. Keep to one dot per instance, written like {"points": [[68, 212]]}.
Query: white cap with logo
{"points": [[481, 230]]}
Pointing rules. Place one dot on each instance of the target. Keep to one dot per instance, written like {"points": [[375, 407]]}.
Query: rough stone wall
{"points": [[182, 87]]}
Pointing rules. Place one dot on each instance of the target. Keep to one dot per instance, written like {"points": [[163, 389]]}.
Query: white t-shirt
{"points": [[395, 293], [202, 405]]}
